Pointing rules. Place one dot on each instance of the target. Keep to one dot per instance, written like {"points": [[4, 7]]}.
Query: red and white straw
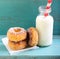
{"points": [[48, 7]]}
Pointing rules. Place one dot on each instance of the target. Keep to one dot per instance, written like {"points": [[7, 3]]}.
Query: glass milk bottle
{"points": [[44, 26]]}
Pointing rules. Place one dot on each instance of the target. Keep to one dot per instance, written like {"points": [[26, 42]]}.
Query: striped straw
{"points": [[48, 7]]}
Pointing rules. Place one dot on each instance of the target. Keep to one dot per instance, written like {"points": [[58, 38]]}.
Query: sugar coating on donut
{"points": [[16, 30], [33, 36], [17, 45]]}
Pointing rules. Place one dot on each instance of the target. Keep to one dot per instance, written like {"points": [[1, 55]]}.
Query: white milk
{"points": [[44, 26]]}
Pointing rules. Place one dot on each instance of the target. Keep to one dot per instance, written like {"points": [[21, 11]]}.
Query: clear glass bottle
{"points": [[44, 26]]}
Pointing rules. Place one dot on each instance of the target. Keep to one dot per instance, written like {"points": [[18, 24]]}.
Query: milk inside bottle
{"points": [[44, 26]]}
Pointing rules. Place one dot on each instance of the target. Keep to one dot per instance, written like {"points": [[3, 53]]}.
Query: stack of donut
{"points": [[19, 38]]}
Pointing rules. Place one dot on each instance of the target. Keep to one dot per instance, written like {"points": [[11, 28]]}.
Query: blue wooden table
{"points": [[50, 52]]}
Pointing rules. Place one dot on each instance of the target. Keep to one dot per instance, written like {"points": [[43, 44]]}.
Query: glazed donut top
{"points": [[16, 30]]}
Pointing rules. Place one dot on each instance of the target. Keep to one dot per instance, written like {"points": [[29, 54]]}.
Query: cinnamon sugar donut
{"points": [[33, 36], [17, 45], [16, 34]]}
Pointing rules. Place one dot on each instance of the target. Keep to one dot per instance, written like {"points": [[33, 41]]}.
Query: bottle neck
{"points": [[42, 10], [43, 13]]}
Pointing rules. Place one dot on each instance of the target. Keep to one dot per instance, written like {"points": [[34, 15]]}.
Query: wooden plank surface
{"points": [[23, 13]]}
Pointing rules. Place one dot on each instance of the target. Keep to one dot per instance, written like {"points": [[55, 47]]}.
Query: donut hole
{"points": [[17, 30]]}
